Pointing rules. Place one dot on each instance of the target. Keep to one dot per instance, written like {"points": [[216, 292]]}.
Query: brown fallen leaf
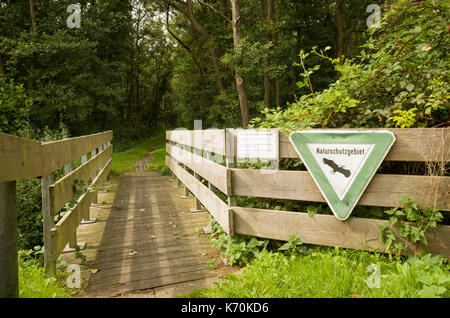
{"points": [[131, 217], [153, 236], [141, 210], [426, 48], [174, 225], [149, 225], [132, 253], [94, 270]]}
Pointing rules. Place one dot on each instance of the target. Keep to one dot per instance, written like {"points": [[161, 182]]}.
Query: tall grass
{"points": [[34, 284], [333, 273]]}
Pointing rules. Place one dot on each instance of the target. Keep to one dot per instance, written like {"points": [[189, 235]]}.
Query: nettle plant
{"points": [[411, 223]]}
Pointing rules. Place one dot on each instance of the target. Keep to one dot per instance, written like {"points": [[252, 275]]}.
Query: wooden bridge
{"points": [[147, 232]]}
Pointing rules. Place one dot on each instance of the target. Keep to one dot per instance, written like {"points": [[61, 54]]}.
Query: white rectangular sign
{"points": [[253, 144]]}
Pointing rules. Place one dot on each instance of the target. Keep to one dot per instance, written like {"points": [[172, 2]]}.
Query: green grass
{"points": [[126, 161], [34, 284], [157, 160], [333, 273]]}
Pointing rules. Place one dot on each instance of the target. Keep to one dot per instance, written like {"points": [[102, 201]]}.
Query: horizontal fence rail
{"points": [[22, 158], [211, 155]]}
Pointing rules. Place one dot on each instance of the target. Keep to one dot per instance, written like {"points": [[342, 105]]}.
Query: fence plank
{"points": [[24, 158], [62, 191], [209, 170], [212, 140], [216, 207], [383, 190], [356, 233], [67, 226], [61, 152], [20, 158], [412, 144]]}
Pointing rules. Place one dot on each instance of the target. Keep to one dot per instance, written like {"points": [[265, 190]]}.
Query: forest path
{"points": [[146, 242]]}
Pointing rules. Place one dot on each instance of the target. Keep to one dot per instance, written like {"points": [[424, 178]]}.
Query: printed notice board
{"points": [[255, 144], [342, 162]]}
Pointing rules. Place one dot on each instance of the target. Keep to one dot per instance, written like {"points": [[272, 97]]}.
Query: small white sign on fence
{"points": [[253, 144]]}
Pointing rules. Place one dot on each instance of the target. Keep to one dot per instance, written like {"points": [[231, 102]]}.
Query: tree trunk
{"points": [[194, 59], [2, 66], [266, 57], [340, 29], [237, 39], [277, 88], [206, 36], [32, 62]]}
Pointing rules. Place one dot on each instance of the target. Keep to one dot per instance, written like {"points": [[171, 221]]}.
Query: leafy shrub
{"points": [[412, 224], [29, 213], [400, 79], [238, 249], [14, 106]]}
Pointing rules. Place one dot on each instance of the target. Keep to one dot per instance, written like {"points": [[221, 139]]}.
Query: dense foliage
{"points": [[400, 77], [111, 72]]}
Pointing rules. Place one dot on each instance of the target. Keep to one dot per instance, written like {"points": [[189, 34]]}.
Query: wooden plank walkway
{"points": [[144, 238]]}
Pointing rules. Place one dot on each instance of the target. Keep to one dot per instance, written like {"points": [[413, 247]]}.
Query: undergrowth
{"points": [[293, 269], [34, 284]]}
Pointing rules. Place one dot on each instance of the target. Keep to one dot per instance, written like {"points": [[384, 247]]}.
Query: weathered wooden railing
{"points": [[22, 158], [203, 153]]}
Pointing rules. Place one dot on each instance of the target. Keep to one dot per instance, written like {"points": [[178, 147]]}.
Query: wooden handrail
{"points": [[190, 156], [22, 158]]}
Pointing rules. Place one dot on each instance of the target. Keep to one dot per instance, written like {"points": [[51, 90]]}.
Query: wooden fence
{"points": [[22, 158], [201, 152]]}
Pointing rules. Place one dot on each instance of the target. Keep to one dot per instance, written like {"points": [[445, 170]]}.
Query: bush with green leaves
{"points": [[399, 79], [411, 222], [14, 106], [238, 249]]}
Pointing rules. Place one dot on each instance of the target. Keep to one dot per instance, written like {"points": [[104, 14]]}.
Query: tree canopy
{"points": [[139, 65]]}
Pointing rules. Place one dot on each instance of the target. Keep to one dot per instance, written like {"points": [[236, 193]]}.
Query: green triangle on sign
{"points": [[342, 162]]}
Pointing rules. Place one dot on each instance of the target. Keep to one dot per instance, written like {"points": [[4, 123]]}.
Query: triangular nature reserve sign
{"points": [[342, 162]]}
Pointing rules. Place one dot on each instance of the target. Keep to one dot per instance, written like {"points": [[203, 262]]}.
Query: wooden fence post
{"points": [[230, 160], [73, 238], [93, 154], [49, 223], [9, 279], [198, 152], [87, 219]]}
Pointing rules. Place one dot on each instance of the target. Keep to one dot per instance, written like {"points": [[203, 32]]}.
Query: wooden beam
{"points": [[24, 158], [209, 170], [383, 190], [61, 191], [412, 144], [60, 152], [62, 232], [215, 206], [212, 140], [355, 233], [9, 279], [20, 158]]}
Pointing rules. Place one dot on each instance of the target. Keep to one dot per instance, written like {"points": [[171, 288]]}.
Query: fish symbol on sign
{"points": [[336, 168]]}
